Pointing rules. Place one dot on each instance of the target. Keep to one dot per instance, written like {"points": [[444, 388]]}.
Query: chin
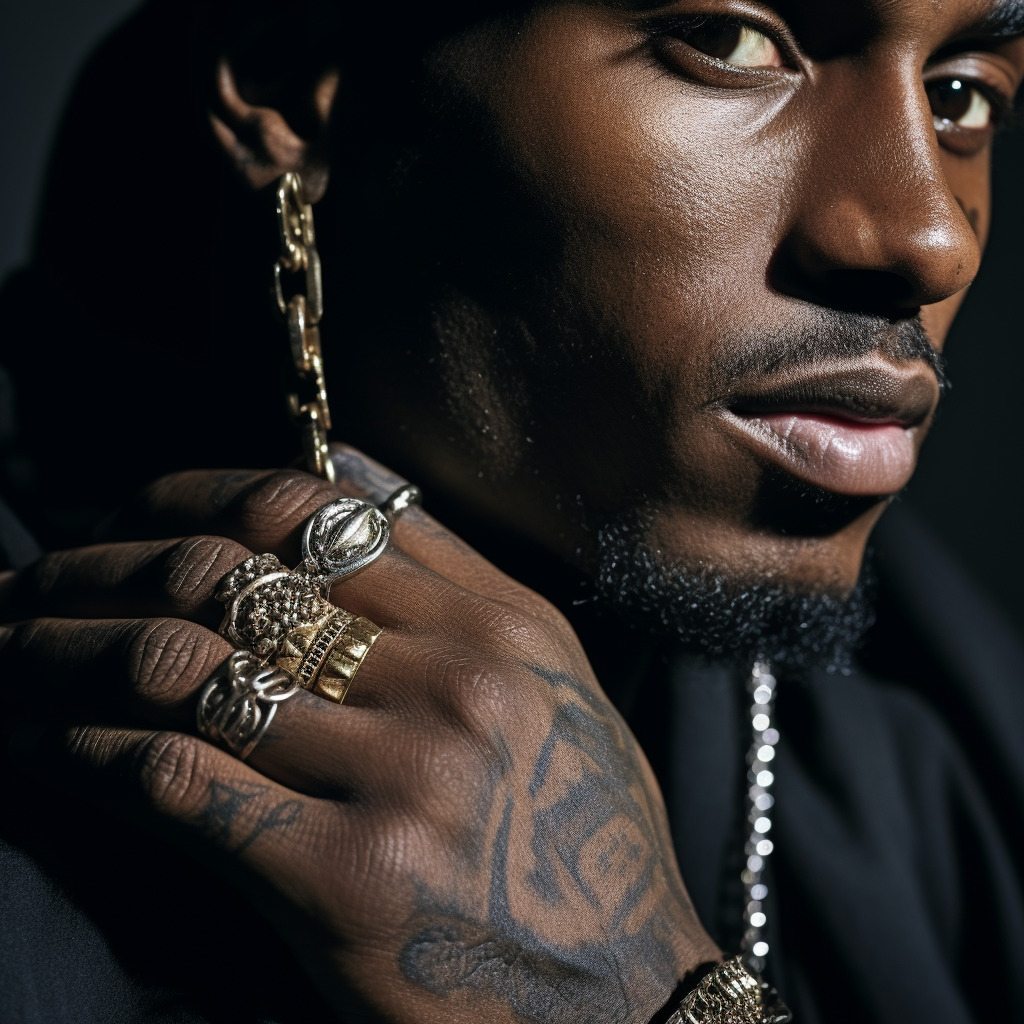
{"points": [[819, 551], [741, 592]]}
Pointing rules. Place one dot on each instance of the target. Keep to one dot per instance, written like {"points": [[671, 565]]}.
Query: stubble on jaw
{"points": [[720, 614]]}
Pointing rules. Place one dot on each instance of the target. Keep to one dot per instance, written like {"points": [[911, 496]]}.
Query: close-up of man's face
{"points": [[687, 270]]}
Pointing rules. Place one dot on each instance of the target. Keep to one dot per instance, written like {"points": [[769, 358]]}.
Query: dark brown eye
{"points": [[732, 42], [956, 102]]}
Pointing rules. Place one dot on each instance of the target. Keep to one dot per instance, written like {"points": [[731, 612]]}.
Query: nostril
{"points": [[878, 248], [870, 291], [848, 290]]}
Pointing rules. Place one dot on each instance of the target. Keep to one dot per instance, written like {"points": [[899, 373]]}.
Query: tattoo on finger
{"points": [[226, 804]]}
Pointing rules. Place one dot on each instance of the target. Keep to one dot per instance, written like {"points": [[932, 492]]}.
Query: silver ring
{"points": [[347, 535], [341, 539], [240, 700], [396, 503], [265, 602]]}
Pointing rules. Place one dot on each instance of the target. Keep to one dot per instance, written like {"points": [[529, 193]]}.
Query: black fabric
{"points": [[55, 963], [896, 881]]}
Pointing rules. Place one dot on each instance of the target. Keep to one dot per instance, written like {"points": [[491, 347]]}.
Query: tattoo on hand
{"points": [[598, 861], [226, 803]]}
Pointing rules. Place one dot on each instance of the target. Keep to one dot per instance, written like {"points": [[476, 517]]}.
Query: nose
{"points": [[875, 227]]}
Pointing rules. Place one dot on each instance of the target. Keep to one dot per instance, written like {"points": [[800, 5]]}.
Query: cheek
{"points": [[666, 202], [639, 167], [969, 179]]}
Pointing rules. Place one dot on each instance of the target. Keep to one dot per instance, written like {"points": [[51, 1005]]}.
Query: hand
{"points": [[474, 835]]}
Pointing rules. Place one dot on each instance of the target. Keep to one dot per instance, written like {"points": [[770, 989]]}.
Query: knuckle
{"points": [[481, 698], [544, 611], [47, 645], [506, 631], [97, 746], [167, 656], [29, 634], [163, 495], [47, 573], [475, 691], [283, 499], [197, 564], [174, 771]]}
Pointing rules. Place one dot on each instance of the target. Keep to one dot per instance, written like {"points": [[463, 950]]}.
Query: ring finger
{"points": [[152, 670]]}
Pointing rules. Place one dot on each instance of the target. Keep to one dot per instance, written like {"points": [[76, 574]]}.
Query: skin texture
{"points": [[475, 833], [675, 212]]}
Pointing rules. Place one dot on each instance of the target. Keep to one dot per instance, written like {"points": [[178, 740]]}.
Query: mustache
{"points": [[834, 336]]}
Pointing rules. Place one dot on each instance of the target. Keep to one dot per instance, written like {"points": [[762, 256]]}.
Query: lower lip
{"points": [[842, 456]]}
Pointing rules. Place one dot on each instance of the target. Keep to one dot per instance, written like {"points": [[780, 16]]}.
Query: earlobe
{"points": [[260, 141]]}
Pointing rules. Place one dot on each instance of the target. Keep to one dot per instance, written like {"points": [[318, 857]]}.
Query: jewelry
{"points": [[733, 993], [347, 535], [287, 617], [397, 502], [761, 686], [240, 700], [265, 602], [307, 399], [341, 539], [326, 656], [284, 617], [303, 310]]}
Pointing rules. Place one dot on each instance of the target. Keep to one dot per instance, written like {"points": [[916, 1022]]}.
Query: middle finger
{"points": [[175, 578], [151, 671]]}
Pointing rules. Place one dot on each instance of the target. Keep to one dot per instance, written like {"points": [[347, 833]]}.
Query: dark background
{"points": [[969, 484]]}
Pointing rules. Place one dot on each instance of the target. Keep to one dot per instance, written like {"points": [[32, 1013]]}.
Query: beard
{"points": [[724, 615], [719, 616]]}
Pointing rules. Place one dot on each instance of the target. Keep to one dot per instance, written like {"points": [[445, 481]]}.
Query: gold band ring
{"points": [[281, 617]]}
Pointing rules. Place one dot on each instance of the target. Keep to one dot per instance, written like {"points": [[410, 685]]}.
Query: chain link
{"points": [[307, 398]]}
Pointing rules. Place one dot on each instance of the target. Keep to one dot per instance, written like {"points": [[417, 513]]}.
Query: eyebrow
{"points": [[1004, 20]]}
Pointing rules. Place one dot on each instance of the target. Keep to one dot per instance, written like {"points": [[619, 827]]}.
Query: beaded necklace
{"points": [[763, 737]]}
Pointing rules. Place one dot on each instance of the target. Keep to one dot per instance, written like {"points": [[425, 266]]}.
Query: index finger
{"points": [[265, 510]]}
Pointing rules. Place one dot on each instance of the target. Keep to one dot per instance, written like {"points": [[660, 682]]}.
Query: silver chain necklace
{"points": [[763, 737]]}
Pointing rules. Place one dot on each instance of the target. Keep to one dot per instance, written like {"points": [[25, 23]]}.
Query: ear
{"points": [[265, 141]]}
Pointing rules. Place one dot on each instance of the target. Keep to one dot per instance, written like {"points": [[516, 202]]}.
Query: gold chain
{"points": [[307, 399]]}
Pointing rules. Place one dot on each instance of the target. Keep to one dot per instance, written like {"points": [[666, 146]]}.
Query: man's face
{"points": [[701, 249]]}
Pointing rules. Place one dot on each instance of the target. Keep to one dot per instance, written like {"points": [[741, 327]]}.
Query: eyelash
{"points": [[671, 25], [674, 25]]}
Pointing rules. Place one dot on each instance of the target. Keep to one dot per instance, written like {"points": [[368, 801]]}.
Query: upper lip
{"points": [[871, 390]]}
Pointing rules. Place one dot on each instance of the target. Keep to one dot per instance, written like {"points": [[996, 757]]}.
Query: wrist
{"points": [[690, 980], [731, 992]]}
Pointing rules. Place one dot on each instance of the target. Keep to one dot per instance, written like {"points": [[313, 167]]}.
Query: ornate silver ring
{"points": [[347, 535], [240, 700], [265, 602]]}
